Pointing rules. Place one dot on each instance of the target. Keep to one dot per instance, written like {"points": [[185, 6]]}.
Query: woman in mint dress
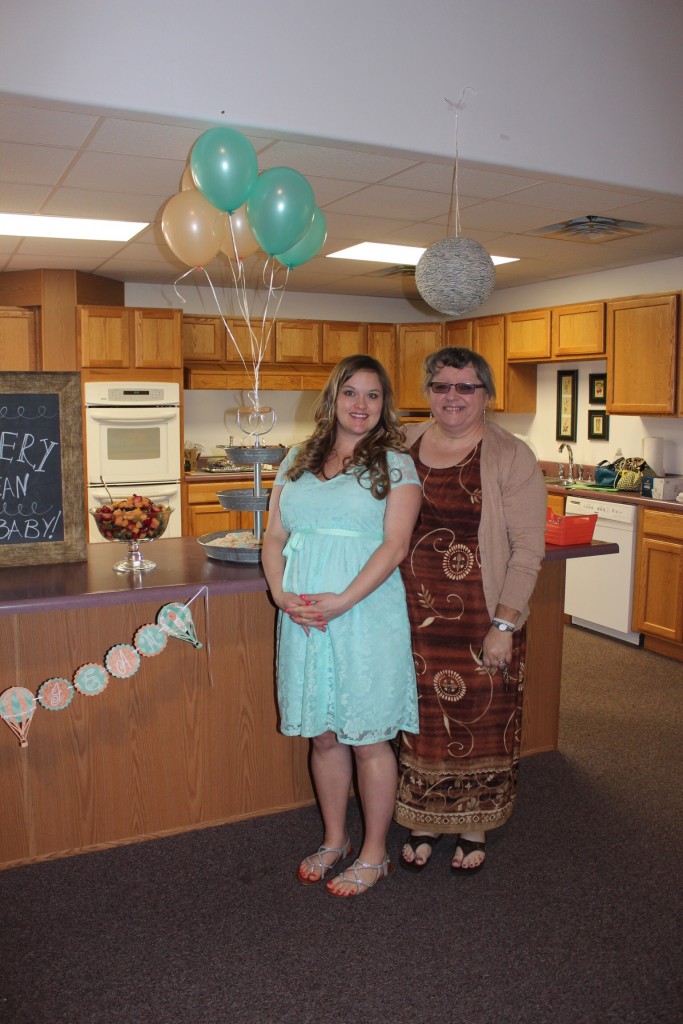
{"points": [[341, 514]]}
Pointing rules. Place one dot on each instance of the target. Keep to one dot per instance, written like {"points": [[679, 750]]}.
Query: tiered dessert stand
{"points": [[243, 545]]}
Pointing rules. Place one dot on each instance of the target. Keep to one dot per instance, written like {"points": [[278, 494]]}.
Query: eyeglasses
{"points": [[440, 387]]}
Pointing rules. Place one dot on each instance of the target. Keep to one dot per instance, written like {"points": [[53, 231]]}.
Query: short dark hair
{"points": [[459, 358]]}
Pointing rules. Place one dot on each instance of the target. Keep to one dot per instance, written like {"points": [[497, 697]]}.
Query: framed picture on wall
{"points": [[598, 425], [567, 388], [597, 388]]}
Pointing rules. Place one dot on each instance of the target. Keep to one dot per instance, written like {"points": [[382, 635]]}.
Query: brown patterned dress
{"points": [[459, 774]]}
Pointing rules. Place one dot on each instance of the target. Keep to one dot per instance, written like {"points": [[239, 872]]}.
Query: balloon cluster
{"points": [[225, 205]]}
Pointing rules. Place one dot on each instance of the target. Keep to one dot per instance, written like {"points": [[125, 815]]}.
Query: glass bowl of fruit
{"points": [[132, 521]]}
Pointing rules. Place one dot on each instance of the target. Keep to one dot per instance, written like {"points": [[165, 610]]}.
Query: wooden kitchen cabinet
{"points": [[578, 331], [415, 343], [121, 338], [157, 339], [556, 503], [297, 341], [658, 598], [642, 354], [382, 346], [241, 348], [458, 333], [204, 513], [515, 383], [17, 339], [527, 335], [104, 336], [203, 339], [341, 339]]}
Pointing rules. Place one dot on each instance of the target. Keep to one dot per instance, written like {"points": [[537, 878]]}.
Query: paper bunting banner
{"points": [[55, 694], [122, 661], [176, 620], [90, 679], [150, 640], [16, 708]]}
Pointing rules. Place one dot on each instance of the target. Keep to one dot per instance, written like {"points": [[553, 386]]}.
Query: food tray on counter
{"points": [[240, 550], [243, 500], [563, 530], [243, 455]]}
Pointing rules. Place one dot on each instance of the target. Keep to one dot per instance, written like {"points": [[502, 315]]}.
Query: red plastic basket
{"points": [[569, 529]]}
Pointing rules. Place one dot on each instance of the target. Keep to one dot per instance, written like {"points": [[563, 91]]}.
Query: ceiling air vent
{"points": [[405, 270], [593, 229]]}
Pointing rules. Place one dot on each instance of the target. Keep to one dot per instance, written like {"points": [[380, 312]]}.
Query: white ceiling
{"points": [[73, 161]]}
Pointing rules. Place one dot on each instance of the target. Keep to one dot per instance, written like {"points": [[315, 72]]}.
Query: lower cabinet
{"points": [[203, 511], [556, 504], [658, 598]]}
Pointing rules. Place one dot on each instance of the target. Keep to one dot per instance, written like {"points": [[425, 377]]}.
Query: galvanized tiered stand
{"points": [[244, 500]]}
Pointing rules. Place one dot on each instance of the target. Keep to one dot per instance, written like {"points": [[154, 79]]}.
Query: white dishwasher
{"points": [[599, 591]]}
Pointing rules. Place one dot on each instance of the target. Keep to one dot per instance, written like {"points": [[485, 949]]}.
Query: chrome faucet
{"points": [[570, 478]]}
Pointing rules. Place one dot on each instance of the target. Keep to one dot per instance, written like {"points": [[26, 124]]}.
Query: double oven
{"points": [[132, 434]]}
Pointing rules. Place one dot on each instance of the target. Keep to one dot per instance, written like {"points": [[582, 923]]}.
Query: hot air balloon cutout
{"points": [[176, 620], [16, 708], [18, 704]]}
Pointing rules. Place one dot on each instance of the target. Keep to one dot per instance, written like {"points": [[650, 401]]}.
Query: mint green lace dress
{"points": [[357, 679]]}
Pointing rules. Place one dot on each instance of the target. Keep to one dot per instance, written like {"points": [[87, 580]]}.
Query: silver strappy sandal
{"points": [[381, 871], [316, 862]]}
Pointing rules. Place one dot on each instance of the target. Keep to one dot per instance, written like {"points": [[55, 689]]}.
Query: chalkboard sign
{"points": [[42, 506]]}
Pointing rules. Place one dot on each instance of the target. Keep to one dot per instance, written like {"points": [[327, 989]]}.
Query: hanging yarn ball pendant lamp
{"points": [[455, 275]]}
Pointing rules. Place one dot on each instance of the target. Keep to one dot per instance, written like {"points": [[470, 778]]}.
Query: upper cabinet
{"points": [[458, 334], [341, 339], [415, 343], [528, 335], [120, 338], [642, 355], [578, 332], [297, 341], [382, 346], [515, 385], [17, 339], [203, 339]]}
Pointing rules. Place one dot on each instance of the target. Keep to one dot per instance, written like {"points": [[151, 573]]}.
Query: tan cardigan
{"points": [[512, 527]]}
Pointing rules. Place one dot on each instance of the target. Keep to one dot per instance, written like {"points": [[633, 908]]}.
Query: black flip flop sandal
{"points": [[413, 842], [468, 846]]}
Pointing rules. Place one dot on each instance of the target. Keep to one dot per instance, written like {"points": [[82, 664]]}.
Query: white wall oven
{"points": [[132, 435]]}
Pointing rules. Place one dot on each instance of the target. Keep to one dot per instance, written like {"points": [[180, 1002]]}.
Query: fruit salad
{"points": [[134, 518]]}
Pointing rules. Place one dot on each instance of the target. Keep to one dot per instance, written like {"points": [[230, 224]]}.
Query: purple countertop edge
{"points": [[182, 572]]}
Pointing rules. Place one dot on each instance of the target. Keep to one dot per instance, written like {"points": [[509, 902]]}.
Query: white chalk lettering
{"points": [[5, 443]]}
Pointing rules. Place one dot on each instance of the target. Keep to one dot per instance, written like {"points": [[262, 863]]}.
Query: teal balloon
{"points": [[280, 209], [308, 246], [224, 167]]}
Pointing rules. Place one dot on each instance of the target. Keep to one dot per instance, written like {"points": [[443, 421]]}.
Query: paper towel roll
{"points": [[653, 453]]}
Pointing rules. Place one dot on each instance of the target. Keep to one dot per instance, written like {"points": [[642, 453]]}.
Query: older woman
{"points": [[474, 557]]}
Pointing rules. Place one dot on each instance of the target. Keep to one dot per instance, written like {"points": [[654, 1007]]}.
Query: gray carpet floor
{"points": [[576, 918]]}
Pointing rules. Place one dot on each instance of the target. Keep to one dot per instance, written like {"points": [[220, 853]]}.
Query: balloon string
{"points": [[177, 282], [205, 591]]}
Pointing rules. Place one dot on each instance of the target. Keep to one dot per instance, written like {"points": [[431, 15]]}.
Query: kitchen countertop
{"points": [[622, 497], [183, 569]]}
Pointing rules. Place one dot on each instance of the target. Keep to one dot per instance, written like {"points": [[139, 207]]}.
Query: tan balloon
{"points": [[187, 181], [245, 243], [194, 229]]}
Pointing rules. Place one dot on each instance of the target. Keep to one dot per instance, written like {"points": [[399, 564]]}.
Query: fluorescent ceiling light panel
{"points": [[27, 226], [405, 255]]}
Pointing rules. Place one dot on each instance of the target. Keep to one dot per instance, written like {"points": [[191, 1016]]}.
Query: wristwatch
{"points": [[502, 625]]}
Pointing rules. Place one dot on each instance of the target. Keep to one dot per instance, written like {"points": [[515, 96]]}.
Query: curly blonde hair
{"points": [[370, 454]]}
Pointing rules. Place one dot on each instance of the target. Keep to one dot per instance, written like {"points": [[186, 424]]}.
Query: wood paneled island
{"points": [[190, 740]]}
